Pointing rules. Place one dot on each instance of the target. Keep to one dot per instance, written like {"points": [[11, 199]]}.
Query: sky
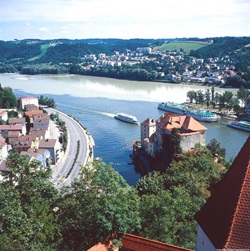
{"points": [[125, 19]]}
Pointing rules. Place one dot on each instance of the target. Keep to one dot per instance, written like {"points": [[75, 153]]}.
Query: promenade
{"points": [[79, 150]]}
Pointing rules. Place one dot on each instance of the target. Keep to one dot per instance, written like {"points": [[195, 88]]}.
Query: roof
{"points": [[168, 121], [41, 120], [16, 120], [11, 127], [47, 143], [225, 218], [148, 122], [3, 167], [100, 247], [31, 107], [31, 113], [41, 131], [13, 134], [29, 98], [137, 243]]}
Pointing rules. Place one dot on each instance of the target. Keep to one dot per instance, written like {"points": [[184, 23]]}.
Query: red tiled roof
{"points": [[100, 247], [31, 113], [137, 243], [225, 218], [168, 121]]}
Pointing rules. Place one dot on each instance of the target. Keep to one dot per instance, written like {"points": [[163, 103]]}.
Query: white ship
{"points": [[240, 125], [201, 115], [127, 118]]}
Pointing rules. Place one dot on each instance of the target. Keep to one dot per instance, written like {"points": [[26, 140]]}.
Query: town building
{"points": [[4, 129], [17, 121], [224, 221], [53, 146], [3, 115], [191, 132], [28, 101]]}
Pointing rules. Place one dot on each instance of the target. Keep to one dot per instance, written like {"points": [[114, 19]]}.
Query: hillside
{"points": [[184, 45], [162, 60]]}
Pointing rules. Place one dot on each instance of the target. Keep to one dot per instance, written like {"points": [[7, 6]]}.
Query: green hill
{"points": [[186, 46]]}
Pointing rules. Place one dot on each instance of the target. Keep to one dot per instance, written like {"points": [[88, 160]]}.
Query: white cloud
{"points": [[43, 29]]}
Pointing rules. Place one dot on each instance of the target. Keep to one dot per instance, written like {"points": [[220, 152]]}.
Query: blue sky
{"points": [[76, 19]]}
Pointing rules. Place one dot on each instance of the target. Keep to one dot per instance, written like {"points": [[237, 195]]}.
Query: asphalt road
{"points": [[75, 133]]}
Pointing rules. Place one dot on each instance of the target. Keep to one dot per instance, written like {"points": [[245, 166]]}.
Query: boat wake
{"points": [[107, 114]]}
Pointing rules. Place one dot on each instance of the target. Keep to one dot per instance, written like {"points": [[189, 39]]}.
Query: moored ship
{"points": [[204, 115], [126, 118], [240, 125], [172, 107], [200, 115]]}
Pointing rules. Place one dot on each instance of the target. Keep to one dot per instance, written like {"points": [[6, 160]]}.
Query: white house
{"points": [[28, 101]]}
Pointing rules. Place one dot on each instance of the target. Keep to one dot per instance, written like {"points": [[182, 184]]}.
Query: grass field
{"points": [[186, 46], [44, 49]]}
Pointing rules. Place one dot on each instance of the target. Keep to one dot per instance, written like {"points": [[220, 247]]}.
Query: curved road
{"points": [[75, 133]]}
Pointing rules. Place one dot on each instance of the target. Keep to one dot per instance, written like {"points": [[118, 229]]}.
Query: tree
{"points": [[168, 214], [214, 147], [213, 96], [27, 216], [97, 204], [192, 95], [243, 95], [207, 97]]}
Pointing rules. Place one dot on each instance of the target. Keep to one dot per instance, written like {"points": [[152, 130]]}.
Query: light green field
{"points": [[186, 46], [44, 49]]}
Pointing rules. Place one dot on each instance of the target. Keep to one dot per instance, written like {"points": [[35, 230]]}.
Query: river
{"points": [[94, 101]]}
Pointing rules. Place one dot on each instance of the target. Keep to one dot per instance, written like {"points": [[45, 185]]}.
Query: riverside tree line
{"points": [[225, 101]]}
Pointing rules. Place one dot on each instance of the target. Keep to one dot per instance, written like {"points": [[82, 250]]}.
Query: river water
{"points": [[94, 102]]}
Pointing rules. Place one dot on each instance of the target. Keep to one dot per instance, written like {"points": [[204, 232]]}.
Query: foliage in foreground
{"points": [[96, 205], [34, 216], [169, 201]]}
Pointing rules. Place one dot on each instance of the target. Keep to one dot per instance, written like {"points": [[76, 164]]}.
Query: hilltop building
{"points": [[153, 132]]}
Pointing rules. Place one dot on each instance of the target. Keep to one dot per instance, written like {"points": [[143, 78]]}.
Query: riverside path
{"points": [[68, 166]]}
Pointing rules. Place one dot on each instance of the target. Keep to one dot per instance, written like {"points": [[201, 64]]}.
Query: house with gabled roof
{"points": [[41, 132], [12, 136], [41, 120], [17, 121], [5, 129], [224, 221], [53, 146]]}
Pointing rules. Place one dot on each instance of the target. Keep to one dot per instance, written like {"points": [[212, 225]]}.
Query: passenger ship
{"points": [[127, 118], [201, 114], [240, 125]]}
